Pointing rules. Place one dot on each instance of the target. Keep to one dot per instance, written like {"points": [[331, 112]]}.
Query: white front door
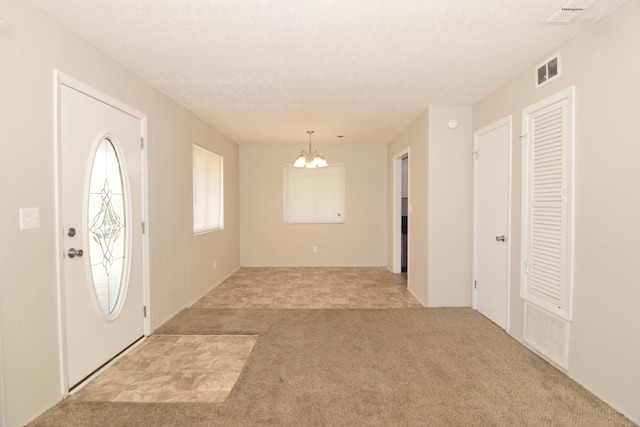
{"points": [[491, 222], [101, 207]]}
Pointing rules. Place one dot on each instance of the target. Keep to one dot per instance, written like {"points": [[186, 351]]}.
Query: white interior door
{"points": [[492, 222], [101, 186]]}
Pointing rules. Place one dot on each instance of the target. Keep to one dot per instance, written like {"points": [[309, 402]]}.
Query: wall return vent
{"points": [[547, 334], [568, 11], [548, 70]]}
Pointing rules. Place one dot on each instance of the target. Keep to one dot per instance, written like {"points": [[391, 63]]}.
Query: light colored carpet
{"points": [[382, 367]]}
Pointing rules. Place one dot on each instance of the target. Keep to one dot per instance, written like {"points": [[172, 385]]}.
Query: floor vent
{"points": [[547, 334]]}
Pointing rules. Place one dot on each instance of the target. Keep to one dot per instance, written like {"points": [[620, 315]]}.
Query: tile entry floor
{"points": [[199, 368], [173, 368], [311, 287]]}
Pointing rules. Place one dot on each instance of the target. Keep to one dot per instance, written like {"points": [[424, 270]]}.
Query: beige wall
{"points": [[603, 64], [414, 139], [31, 47], [440, 197], [266, 241], [450, 207]]}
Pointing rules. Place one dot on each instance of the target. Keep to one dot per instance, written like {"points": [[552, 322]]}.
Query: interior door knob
{"points": [[75, 253], [501, 238]]}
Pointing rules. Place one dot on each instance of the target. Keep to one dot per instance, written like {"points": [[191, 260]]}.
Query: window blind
{"points": [[314, 195], [208, 209]]}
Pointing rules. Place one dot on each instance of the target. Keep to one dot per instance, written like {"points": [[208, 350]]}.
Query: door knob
{"points": [[501, 238], [75, 253]]}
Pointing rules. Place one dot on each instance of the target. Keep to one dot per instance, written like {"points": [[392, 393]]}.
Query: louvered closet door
{"points": [[547, 241]]}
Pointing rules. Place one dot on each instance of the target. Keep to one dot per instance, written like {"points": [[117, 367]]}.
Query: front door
{"points": [[491, 230], [101, 207]]}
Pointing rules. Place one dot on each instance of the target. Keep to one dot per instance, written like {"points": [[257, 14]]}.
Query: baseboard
{"points": [[189, 304], [209, 289], [424, 303]]}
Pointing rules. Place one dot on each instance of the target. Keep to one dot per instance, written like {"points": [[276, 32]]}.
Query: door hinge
{"points": [[144, 228], [475, 153], [475, 284], [141, 142], [144, 310]]}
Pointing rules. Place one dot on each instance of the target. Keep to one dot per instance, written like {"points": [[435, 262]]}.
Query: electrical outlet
{"points": [[315, 249], [214, 265]]}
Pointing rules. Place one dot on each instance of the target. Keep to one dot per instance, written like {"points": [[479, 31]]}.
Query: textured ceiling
{"points": [[265, 71]]}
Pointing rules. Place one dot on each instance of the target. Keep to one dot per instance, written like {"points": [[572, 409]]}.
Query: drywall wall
{"points": [[265, 239], [413, 139], [440, 200], [603, 64], [33, 46], [450, 205]]}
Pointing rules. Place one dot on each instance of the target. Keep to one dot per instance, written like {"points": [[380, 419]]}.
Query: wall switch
{"points": [[214, 265], [29, 218], [315, 249]]}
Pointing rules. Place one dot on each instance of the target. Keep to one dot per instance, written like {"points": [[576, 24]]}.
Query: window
{"points": [[314, 195], [547, 240], [208, 206]]}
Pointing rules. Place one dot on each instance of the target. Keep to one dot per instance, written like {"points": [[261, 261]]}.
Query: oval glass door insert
{"points": [[107, 213]]}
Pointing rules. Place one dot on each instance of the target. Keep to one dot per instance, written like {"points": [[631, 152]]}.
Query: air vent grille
{"points": [[568, 11], [548, 70], [547, 334]]}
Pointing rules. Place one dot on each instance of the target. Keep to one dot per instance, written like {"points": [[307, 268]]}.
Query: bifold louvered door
{"points": [[547, 203]]}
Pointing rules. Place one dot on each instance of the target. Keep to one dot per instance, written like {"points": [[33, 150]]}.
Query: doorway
{"points": [[101, 208], [492, 221], [404, 229], [401, 213]]}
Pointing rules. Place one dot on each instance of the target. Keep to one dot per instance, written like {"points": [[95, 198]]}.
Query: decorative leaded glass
{"points": [[107, 226]]}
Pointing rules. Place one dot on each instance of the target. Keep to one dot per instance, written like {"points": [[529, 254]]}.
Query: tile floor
{"points": [[197, 368], [173, 368], [311, 287]]}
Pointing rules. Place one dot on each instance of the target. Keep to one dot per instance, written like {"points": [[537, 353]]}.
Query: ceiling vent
{"points": [[568, 11], [548, 70]]}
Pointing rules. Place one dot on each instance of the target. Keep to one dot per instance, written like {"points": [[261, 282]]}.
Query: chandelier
{"points": [[310, 159]]}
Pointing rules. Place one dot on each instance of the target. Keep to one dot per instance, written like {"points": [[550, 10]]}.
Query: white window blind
{"points": [[208, 209], [548, 203], [314, 195]]}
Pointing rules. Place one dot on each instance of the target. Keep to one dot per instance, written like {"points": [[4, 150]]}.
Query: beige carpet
{"points": [[386, 367]]}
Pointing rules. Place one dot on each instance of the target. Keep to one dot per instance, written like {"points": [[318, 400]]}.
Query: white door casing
{"points": [[492, 221], [397, 191], [92, 334]]}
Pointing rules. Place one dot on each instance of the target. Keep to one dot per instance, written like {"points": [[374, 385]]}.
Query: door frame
{"points": [[507, 121], [396, 221], [3, 420], [60, 80]]}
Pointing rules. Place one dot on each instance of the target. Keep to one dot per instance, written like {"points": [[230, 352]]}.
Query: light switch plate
{"points": [[29, 218]]}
